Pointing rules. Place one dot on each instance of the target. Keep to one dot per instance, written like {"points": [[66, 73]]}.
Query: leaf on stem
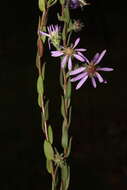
{"points": [[46, 110], [64, 140], [63, 112], [49, 166], [69, 148], [50, 134], [41, 4], [48, 150], [40, 88], [68, 90]]}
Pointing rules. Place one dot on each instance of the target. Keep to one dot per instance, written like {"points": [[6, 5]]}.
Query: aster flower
{"points": [[90, 70], [53, 35], [68, 53], [74, 4]]}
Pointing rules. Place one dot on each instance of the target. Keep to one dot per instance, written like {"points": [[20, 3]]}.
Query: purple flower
{"points": [[90, 70], [53, 35], [74, 4], [68, 53]]}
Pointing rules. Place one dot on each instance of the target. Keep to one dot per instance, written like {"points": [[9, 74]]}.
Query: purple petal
{"points": [[81, 82], [96, 56], [69, 63], [104, 69], [56, 53], [100, 57], [79, 57], [80, 76], [76, 71], [76, 42], [99, 77], [93, 82], [63, 62], [85, 59], [80, 49], [44, 33]]}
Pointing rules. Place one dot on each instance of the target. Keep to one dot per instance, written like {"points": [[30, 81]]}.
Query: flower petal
{"points": [[93, 82], [105, 69], [76, 71], [85, 59], [69, 63], [79, 57], [96, 56], [100, 57], [81, 82], [44, 33], [80, 49], [80, 76], [63, 62], [99, 77], [76, 42], [56, 53]]}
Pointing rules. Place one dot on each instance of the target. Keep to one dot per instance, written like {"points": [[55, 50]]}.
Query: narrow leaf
{"points": [[50, 134], [49, 166], [68, 178], [69, 148], [68, 92], [64, 140], [46, 110], [40, 88], [40, 100], [63, 107], [48, 150], [42, 5]]}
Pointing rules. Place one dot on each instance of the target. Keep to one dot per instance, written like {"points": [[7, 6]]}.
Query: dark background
{"points": [[99, 125]]}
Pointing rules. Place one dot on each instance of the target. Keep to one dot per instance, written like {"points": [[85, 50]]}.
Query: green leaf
{"points": [[50, 134], [64, 173], [63, 107], [42, 5], [46, 110], [40, 100], [66, 14], [69, 147], [64, 140], [40, 88], [62, 2], [49, 166], [68, 178], [48, 150], [69, 120], [51, 2], [68, 92]]}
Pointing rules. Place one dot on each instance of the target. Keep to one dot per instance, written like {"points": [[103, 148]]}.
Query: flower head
{"points": [[53, 35], [74, 4], [90, 70], [77, 26], [68, 53]]}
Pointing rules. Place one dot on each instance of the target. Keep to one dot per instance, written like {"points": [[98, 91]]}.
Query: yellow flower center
{"points": [[91, 69], [69, 51]]}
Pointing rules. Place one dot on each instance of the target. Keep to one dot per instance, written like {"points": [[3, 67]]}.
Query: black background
{"points": [[99, 124]]}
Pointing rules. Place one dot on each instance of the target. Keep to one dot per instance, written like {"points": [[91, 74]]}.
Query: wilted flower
{"points": [[77, 26], [74, 4], [90, 70], [68, 53], [53, 35]]}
